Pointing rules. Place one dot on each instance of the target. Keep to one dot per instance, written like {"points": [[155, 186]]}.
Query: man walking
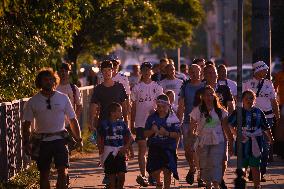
{"points": [[71, 90], [186, 99], [143, 98], [104, 95], [48, 108]]}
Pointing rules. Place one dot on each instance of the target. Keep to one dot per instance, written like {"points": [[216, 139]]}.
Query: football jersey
{"points": [[174, 85], [144, 95], [266, 94]]}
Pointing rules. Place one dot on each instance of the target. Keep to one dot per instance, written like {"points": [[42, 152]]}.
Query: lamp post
{"points": [[240, 182]]}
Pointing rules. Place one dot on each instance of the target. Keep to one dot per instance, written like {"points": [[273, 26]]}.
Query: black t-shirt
{"points": [[104, 96], [224, 94]]}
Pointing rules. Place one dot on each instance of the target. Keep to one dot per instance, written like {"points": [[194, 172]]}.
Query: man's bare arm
{"points": [[275, 108], [75, 129], [125, 109], [93, 116], [180, 110], [26, 132]]}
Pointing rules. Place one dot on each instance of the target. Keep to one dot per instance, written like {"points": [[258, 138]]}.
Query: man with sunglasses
{"points": [[48, 109]]}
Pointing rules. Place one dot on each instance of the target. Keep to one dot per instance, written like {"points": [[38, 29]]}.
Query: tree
{"points": [[34, 34], [163, 23]]}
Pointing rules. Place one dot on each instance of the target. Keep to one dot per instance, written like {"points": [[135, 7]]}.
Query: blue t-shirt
{"points": [[252, 120], [113, 133], [188, 92], [172, 126]]}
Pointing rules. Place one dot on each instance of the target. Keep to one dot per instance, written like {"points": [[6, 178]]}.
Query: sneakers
{"points": [[106, 180], [250, 176], [223, 185], [263, 179], [142, 181], [200, 183], [190, 177], [152, 181]]}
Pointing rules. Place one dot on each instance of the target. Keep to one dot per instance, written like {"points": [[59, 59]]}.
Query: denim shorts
{"points": [[140, 133], [211, 162], [56, 150]]}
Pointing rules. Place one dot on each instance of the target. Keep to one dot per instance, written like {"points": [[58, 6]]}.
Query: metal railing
{"points": [[12, 157]]}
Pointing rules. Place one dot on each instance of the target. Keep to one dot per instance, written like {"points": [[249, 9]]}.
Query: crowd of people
{"points": [[163, 109]]}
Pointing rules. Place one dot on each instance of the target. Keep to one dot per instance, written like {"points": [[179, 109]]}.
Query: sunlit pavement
{"points": [[85, 173]]}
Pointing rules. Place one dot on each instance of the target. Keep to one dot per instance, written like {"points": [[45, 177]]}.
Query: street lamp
{"points": [[240, 182]]}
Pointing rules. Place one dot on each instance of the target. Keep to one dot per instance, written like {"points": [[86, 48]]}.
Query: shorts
{"points": [[140, 133], [56, 150], [251, 161], [211, 162], [115, 164], [157, 159], [188, 141]]}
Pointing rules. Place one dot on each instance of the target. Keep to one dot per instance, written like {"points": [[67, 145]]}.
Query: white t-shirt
{"points": [[48, 120], [266, 94], [144, 95], [67, 89], [120, 78], [174, 85], [231, 84], [205, 129]]}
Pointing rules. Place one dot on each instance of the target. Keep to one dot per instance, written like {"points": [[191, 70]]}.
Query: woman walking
{"points": [[209, 123]]}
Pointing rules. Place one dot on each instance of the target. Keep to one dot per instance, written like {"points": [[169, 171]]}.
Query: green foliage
{"points": [[33, 34], [163, 23], [28, 178]]}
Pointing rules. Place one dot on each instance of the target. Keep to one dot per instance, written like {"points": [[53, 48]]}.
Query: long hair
{"points": [[217, 105]]}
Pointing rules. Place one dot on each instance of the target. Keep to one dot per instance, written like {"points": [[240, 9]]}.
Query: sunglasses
{"points": [[48, 104]]}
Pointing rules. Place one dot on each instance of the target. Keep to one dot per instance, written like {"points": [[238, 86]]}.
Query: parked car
{"points": [[247, 72]]}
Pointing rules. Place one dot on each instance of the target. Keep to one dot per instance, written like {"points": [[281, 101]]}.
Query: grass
{"points": [[26, 179], [29, 178]]}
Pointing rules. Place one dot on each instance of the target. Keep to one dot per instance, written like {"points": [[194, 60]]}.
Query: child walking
{"points": [[162, 130], [113, 142], [254, 127]]}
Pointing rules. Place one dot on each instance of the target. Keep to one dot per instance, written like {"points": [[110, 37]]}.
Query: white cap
{"points": [[258, 66]]}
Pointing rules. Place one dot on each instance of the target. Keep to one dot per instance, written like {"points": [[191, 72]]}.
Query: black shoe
{"points": [[200, 183], [223, 185], [142, 181], [190, 178], [250, 176], [152, 181]]}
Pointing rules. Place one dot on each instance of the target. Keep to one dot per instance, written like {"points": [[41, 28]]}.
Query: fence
{"points": [[12, 157]]}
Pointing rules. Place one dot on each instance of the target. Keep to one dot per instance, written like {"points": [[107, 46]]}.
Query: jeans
{"points": [[266, 149]]}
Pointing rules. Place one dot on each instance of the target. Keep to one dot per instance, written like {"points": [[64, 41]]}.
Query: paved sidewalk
{"points": [[85, 173]]}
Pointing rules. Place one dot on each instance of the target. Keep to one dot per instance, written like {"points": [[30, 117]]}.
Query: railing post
{"points": [[3, 145]]}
